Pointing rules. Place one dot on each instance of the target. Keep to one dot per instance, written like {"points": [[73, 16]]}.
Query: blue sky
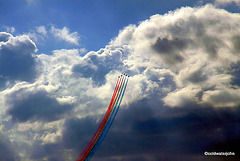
{"points": [[60, 60], [97, 22]]}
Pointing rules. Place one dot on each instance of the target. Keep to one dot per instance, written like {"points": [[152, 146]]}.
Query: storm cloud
{"points": [[36, 106], [17, 61], [138, 132], [7, 151]]}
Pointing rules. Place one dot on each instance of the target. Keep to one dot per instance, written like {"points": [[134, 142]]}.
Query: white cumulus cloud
{"points": [[198, 45], [65, 35]]}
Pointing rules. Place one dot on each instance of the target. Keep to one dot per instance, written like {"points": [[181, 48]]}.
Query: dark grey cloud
{"points": [[7, 152], [150, 130], [235, 72], [4, 37], [36, 106], [166, 46], [97, 65], [212, 45], [86, 71], [183, 134], [196, 27], [170, 48], [17, 61], [228, 145], [197, 76], [77, 133], [53, 152], [236, 43]]}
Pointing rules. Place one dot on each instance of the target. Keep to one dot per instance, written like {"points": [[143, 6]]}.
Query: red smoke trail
{"points": [[104, 121], [109, 121], [98, 132]]}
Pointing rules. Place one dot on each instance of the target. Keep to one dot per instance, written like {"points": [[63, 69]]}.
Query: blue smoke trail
{"points": [[110, 121]]}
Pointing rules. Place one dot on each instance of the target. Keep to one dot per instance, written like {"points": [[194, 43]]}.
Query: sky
{"points": [[59, 62]]}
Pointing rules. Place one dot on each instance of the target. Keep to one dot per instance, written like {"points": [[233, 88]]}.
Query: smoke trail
{"points": [[91, 142], [107, 121]]}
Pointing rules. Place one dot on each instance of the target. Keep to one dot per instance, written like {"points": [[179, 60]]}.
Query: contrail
{"points": [[107, 121]]}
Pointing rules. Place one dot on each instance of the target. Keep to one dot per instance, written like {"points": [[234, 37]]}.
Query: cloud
{"points": [[49, 34], [65, 35], [17, 61], [140, 132], [53, 152], [4, 37], [187, 58], [75, 128], [199, 49], [9, 29], [224, 2], [235, 71], [7, 150], [36, 106], [167, 47], [42, 30], [222, 98], [97, 65]]}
